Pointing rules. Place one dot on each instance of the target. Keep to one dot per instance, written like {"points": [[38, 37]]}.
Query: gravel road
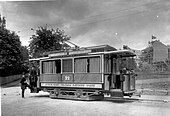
{"points": [[39, 104]]}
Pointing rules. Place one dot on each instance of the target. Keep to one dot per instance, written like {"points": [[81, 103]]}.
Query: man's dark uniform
{"points": [[23, 85], [33, 79]]}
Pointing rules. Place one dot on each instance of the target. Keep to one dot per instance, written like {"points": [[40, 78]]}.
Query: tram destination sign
{"points": [[57, 54], [71, 85], [79, 52]]}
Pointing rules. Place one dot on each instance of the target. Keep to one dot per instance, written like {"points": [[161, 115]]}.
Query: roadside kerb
{"points": [[151, 98], [142, 98]]}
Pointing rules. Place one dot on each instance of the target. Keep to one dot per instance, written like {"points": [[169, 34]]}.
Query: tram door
{"points": [[112, 76], [118, 83], [117, 76], [34, 80]]}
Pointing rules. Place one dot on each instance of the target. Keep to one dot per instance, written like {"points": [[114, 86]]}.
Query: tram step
{"points": [[116, 93]]}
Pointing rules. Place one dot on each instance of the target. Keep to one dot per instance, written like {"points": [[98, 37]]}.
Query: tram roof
{"points": [[93, 50], [125, 53], [104, 47]]}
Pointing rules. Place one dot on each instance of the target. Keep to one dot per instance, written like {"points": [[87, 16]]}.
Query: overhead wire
{"points": [[126, 9], [112, 18], [111, 12], [116, 11]]}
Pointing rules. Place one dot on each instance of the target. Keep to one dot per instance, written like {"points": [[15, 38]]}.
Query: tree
{"points": [[2, 22], [47, 40], [24, 53], [146, 59], [10, 51], [147, 55]]}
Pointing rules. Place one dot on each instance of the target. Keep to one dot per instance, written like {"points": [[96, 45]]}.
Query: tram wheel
{"points": [[130, 95]]}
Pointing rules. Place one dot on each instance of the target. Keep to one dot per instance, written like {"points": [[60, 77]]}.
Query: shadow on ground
{"points": [[40, 96], [11, 84], [119, 100]]}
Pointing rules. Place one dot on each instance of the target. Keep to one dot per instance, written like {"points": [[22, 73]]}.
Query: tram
{"points": [[89, 73]]}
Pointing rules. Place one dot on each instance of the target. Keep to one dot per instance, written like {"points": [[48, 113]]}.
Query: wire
{"points": [[113, 18], [117, 11], [124, 9]]}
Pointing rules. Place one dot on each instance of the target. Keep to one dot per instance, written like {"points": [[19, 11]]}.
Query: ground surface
{"points": [[39, 104], [154, 86]]}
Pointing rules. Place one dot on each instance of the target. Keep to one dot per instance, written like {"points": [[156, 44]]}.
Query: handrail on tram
{"points": [[37, 59]]}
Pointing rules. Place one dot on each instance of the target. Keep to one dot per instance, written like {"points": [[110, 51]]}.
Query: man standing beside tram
{"points": [[33, 78]]}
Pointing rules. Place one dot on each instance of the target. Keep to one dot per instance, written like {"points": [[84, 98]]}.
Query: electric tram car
{"points": [[89, 73]]}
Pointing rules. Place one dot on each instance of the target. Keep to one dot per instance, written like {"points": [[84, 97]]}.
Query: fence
{"points": [[8, 79], [152, 75], [153, 83]]}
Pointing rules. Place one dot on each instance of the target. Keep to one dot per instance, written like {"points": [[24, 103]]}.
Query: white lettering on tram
{"points": [[67, 78], [79, 52], [58, 54], [69, 53], [72, 85]]}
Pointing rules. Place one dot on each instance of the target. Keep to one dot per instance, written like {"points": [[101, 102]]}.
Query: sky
{"points": [[92, 22]]}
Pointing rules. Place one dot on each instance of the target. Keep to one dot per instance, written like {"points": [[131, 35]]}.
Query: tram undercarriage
{"points": [[77, 94]]}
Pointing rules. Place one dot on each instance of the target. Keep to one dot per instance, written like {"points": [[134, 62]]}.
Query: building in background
{"points": [[157, 54]]}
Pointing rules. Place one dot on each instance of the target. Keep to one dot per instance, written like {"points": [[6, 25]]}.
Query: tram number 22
{"points": [[67, 78]]}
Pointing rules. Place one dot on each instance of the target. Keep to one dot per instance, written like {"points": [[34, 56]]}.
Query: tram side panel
{"points": [[86, 75], [64, 80]]}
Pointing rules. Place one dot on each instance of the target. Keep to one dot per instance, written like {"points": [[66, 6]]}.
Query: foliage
{"points": [[24, 53], [145, 63], [147, 54], [47, 40], [11, 57], [144, 66]]}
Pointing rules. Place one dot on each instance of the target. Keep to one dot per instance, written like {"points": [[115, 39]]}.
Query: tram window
{"points": [[67, 65], [94, 64], [51, 67], [58, 66], [80, 65], [87, 65], [118, 64], [107, 64]]}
